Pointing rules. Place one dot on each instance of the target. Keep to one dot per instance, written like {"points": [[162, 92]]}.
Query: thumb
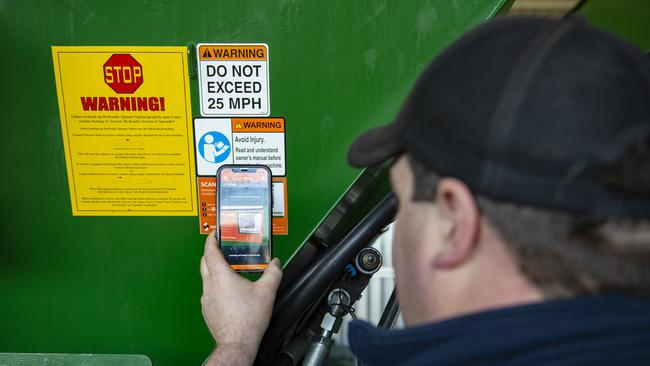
{"points": [[272, 275]]}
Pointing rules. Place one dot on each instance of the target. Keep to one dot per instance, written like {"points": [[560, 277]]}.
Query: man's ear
{"points": [[458, 208]]}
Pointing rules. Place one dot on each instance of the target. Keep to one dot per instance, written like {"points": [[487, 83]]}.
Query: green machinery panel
{"points": [[131, 285], [626, 18]]}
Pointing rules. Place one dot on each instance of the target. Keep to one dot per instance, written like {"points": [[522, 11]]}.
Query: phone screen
{"points": [[244, 216]]}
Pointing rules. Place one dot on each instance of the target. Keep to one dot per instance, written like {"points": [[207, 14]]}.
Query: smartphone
{"points": [[244, 216]]}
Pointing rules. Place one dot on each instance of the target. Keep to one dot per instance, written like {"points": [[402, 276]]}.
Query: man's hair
{"points": [[561, 253]]}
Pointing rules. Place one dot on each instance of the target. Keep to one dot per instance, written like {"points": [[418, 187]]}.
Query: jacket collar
{"points": [[509, 335]]}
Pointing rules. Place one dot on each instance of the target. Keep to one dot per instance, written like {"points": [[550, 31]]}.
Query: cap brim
{"points": [[374, 146]]}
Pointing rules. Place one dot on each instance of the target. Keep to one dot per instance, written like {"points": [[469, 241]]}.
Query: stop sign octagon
{"points": [[123, 73]]}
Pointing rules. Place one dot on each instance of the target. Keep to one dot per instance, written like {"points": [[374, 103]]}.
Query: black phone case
{"points": [[270, 209]]}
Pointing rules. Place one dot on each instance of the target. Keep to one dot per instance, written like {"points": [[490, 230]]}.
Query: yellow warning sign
{"points": [[127, 130]]}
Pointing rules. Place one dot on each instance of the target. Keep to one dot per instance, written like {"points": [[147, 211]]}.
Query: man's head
{"points": [[448, 259], [522, 170]]}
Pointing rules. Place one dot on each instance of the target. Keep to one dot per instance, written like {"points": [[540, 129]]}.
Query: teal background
{"points": [[131, 284]]}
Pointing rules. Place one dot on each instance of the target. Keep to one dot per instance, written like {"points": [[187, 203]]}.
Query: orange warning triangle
{"points": [[206, 53]]}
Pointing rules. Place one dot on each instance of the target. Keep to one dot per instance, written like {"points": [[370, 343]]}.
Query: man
{"points": [[522, 235]]}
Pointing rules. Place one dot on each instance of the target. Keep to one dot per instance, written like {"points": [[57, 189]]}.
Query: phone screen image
{"points": [[244, 216]]}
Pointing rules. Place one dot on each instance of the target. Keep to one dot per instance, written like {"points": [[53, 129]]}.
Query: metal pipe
{"points": [[318, 350], [297, 297], [390, 312]]}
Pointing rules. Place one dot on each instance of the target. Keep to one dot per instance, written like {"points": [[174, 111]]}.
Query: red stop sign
{"points": [[123, 73]]}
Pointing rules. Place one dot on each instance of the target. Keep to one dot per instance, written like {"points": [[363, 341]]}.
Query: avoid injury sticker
{"points": [[233, 79], [252, 141]]}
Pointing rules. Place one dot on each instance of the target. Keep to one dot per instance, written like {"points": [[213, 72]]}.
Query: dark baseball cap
{"points": [[531, 111]]}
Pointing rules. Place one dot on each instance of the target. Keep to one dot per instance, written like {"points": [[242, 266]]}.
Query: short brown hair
{"points": [[561, 253]]}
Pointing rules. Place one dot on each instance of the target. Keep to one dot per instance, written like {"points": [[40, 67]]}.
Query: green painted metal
{"points": [[48, 359], [131, 285], [626, 18]]}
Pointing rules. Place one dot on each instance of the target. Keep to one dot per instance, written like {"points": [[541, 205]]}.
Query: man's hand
{"points": [[236, 310]]}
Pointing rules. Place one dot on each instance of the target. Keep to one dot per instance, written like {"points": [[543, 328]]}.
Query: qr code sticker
{"points": [[249, 223]]}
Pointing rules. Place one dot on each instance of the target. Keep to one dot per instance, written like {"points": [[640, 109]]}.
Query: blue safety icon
{"points": [[214, 147]]}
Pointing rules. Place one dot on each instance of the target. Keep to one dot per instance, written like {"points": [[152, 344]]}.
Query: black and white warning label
{"points": [[234, 79]]}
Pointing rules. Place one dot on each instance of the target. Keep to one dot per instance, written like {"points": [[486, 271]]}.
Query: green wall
{"points": [[131, 284], [629, 19]]}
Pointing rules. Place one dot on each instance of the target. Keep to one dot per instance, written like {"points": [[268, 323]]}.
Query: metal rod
{"points": [[318, 350], [390, 312], [292, 303]]}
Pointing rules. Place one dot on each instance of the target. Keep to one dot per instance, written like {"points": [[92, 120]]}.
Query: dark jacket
{"points": [[603, 330]]}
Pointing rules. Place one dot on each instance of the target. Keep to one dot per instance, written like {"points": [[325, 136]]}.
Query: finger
{"points": [[272, 275], [213, 257], [205, 272]]}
